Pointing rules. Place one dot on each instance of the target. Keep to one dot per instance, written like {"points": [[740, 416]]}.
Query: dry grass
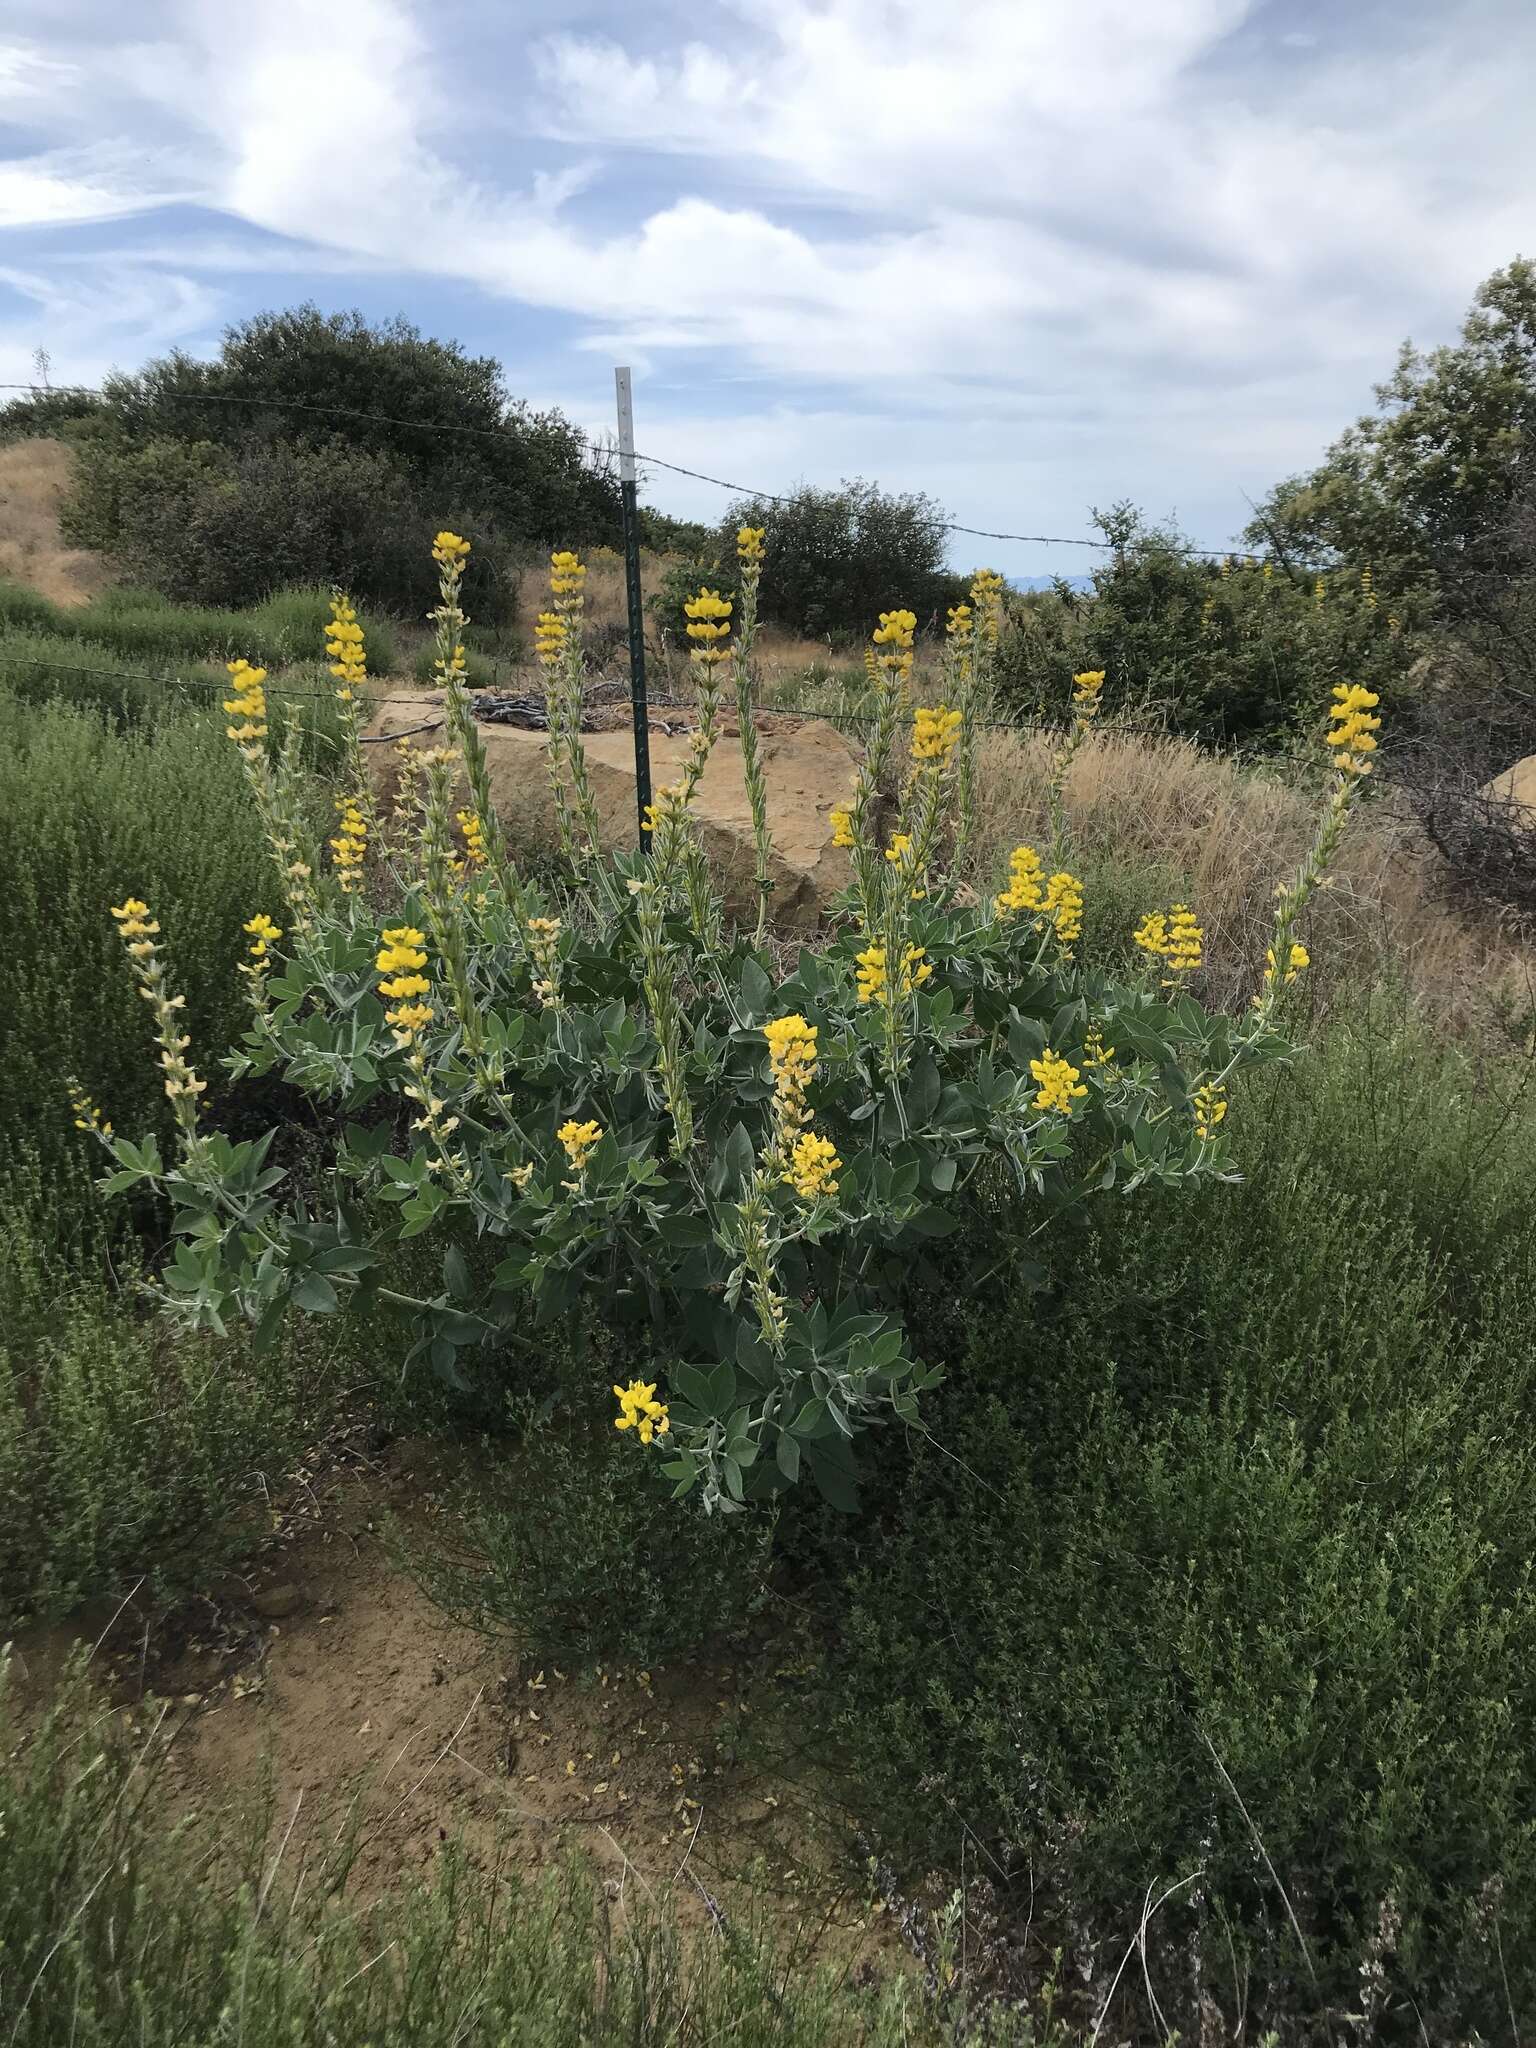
{"points": [[33, 478], [1229, 835]]}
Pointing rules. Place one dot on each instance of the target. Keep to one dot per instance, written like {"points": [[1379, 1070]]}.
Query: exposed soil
{"points": [[33, 478], [325, 1681]]}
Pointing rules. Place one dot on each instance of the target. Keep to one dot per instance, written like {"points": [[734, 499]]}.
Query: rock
{"points": [[808, 766], [1516, 787], [277, 1602]]}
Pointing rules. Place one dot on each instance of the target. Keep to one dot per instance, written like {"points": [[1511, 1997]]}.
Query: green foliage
{"points": [[143, 629], [1240, 655], [59, 413], [129, 1455], [87, 813], [285, 459], [114, 1934], [1424, 486], [572, 1545], [838, 558], [1249, 1481]]}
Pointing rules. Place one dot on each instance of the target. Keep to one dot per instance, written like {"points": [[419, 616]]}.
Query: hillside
{"points": [[33, 478]]}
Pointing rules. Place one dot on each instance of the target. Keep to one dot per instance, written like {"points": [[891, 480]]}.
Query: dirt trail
{"points": [[331, 1671], [33, 478]]}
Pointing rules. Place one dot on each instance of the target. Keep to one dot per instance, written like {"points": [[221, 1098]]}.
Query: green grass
{"points": [[130, 1454], [1236, 1508], [87, 815], [115, 1934], [141, 630]]}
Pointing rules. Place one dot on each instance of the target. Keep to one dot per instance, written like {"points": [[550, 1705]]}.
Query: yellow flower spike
{"points": [[813, 1165], [894, 636], [987, 598], [935, 734], [749, 546], [344, 647], [578, 1141], [87, 1116], [842, 825], [567, 574], [400, 959], [899, 849], [1063, 905], [1209, 1104], [1352, 729], [1058, 1085], [248, 704], [450, 551], [1087, 693], [1026, 877], [640, 1411], [1095, 1052], [1173, 937]]}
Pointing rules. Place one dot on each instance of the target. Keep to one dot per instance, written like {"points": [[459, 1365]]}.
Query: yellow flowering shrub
{"points": [[637, 1103]]}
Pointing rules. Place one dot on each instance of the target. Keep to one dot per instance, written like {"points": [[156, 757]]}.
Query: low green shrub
{"points": [[139, 629], [129, 1455], [117, 1933], [575, 1548], [1237, 1509], [87, 814]]}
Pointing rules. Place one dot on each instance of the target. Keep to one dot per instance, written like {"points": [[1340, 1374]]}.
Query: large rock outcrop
{"points": [[809, 767]]}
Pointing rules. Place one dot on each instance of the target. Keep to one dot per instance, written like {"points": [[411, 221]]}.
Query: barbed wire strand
{"points": [[1051, 540]]}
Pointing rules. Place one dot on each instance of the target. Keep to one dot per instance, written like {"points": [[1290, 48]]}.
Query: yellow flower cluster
{"points": [[87, 1116], [667, 807], [567, 575], [900, 848], [400, 959], [935, 733], [813, 1166], [1057, 1083], [1210, 1107], [749, 546], [709, 625], [1319, 592], [640, 1410], [544, 946], [894, 636], [249, 705], [1095, 1052], [263, 934], [987, 597], [1025, 890], [578, 1141], [344, 647], [1297, 961], [350, 845], [139, 932], [873, 982], [842, 825], [1352, 729], [450, 551], [1087, 694], [958, 622], [791, 1053], [1063, 905], [1173, 937], [549, 638], [1368, 587], [474, 838]]}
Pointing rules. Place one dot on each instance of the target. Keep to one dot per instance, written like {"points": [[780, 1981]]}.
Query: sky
{"points": [[1029, 256]]}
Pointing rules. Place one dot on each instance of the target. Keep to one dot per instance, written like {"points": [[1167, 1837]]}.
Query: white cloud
{"points": [[1027, 243]]}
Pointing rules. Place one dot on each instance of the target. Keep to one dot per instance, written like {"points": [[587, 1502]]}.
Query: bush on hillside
{"points": [[1242, 1497], [1239, 653], [837, 558], [318, 445]]}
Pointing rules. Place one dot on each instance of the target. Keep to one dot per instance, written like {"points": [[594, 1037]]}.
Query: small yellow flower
{"points": [[450, 551], [900, 849], [549, 638], [474, 838], [248, 704], [935, 733], [813, 1165], [1063, 905], [578, 1141], [1210, 1108], [987, 597], [872, 981], [400, 959], [1095, 1052], [1087, 693], [1058, 1086], [344, 647], [1173, 937], [842, 825], [640, 1410], [893, 636], [749, 546], [87, 1116]]}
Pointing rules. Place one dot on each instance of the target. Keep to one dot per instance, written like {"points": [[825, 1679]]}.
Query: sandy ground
{"points": [[322, 1690], [33, 476]]}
